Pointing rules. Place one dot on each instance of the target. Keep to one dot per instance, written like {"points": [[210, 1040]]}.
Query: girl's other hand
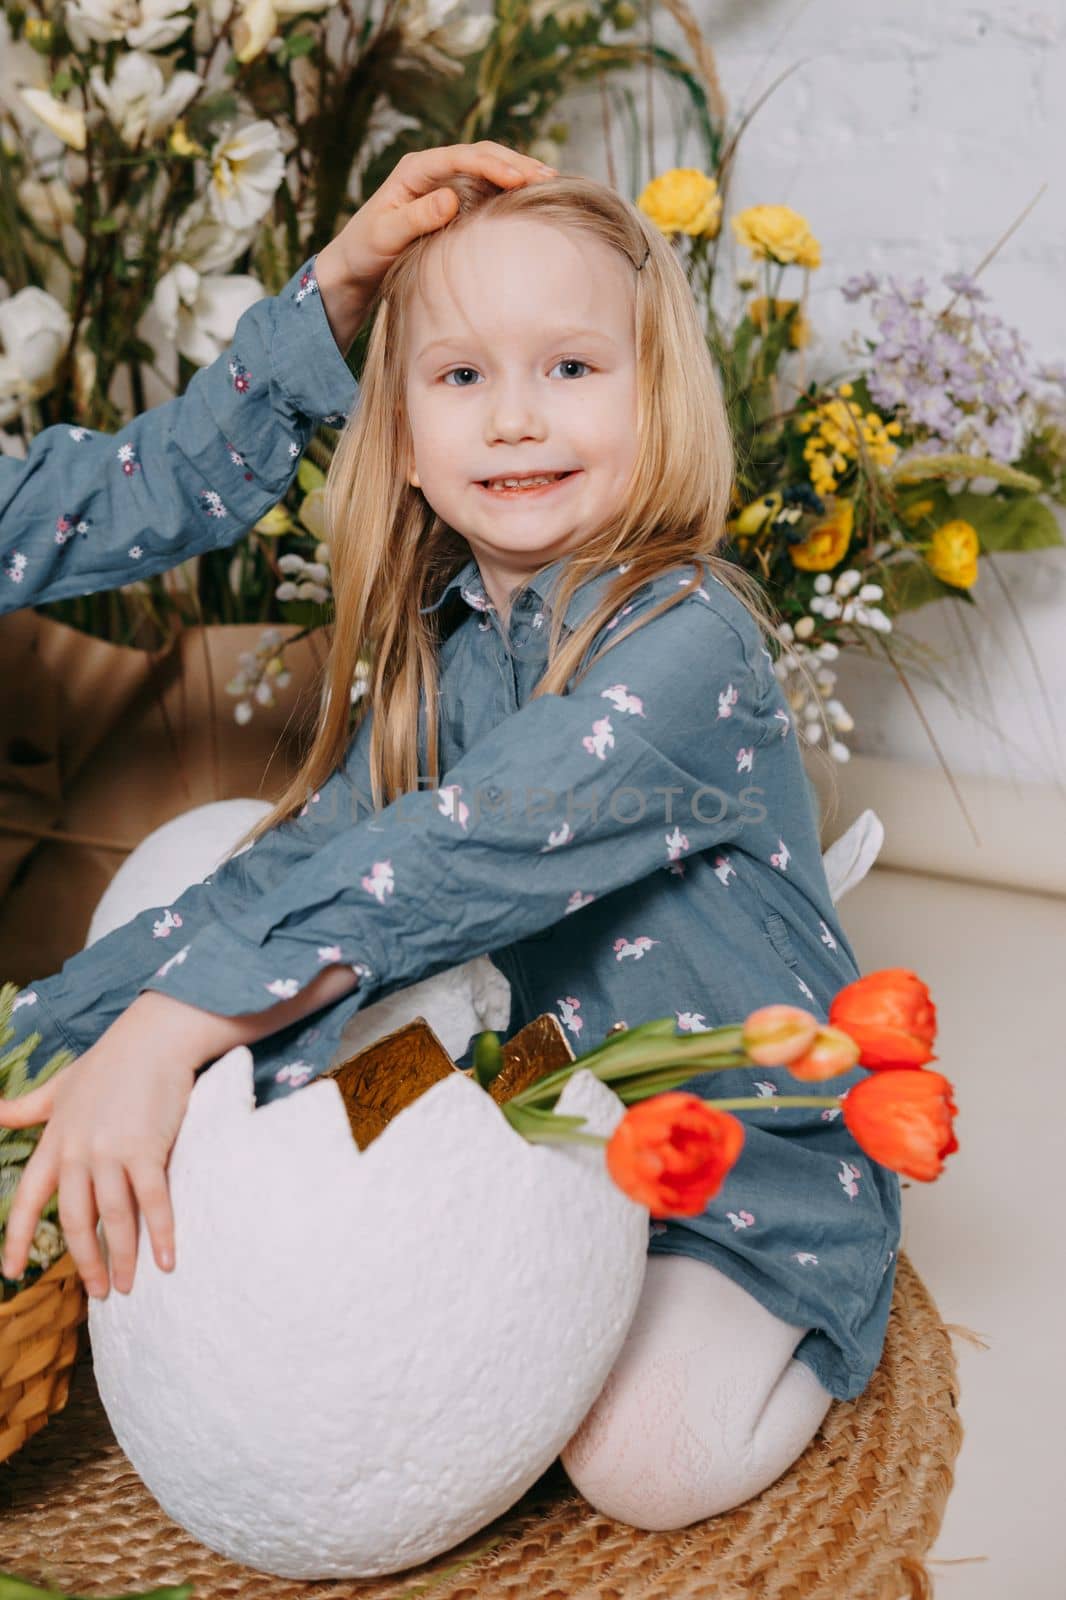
{"points": [[113, 1116], [409, 202]]}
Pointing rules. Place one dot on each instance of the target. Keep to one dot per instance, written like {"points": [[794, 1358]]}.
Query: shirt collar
{"points": [[467, 584]]}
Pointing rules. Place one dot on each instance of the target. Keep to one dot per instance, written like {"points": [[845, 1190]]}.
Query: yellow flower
{"points": [[779, 233], [181, 143], [836, 427], [274, 523], [40, 34], [915, 513], [953, 556], [826, 544], [799, 334], [683, 200], [755, 516]]}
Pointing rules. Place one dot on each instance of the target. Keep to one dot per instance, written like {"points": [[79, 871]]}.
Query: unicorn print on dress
{"points": [[727, 700], [781, 856], [294, 1073], [701, 591], [676, 844], [315, 798], [449, 805], [330, 953], [175, 961], [615, 620], [639, 947], [848, 1176], [827, 937], [806, 1258], [479, 601], [166, 924], [766, 1090], [284, 988], [691, 1022], [740, 1220], [888, 1263], [782, 716], [27, 998], [804, 988], [724, 869], [577, 900], [380, 881], [832, 1112], [745, 758], [568, 1010], [622, 700], [558, 836], [600, 740]]}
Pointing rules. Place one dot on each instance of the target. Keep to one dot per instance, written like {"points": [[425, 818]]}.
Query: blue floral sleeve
{"points": [[570, 797], [86, 511]]}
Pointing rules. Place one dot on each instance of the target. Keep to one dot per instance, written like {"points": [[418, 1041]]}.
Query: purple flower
{"points": [[962, 283]]}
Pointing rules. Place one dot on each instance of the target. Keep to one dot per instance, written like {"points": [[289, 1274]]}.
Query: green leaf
{"points": [[1019, 523], [297, 44], [62, 83], [308, 476], [913, 584], [12, 1588]]}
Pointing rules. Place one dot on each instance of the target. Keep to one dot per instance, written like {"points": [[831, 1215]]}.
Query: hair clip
{"points": [[647, 253]]}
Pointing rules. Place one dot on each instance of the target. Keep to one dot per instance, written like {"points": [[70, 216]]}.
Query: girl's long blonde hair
{"points": [[391, 553]]}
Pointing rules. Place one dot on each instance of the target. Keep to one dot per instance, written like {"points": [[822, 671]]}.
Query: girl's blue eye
{"points": [[566, 361]]}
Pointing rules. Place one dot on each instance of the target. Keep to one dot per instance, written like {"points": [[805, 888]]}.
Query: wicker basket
{"points": [[38, 1346]]}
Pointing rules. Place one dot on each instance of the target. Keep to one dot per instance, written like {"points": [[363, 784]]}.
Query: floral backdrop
{"points": [[165, 164]]}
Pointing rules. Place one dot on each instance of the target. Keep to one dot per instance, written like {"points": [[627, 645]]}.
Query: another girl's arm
{"points": [[87, 510]]}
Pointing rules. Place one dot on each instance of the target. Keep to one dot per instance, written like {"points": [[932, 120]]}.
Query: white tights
{"points": [[705, 1406]]}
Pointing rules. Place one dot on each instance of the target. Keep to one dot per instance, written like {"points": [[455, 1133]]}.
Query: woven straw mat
{"points": [[852, 1517]]}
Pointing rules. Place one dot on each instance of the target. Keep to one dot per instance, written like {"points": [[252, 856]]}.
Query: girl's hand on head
{"points": [[112, 1115], [410, 202]]}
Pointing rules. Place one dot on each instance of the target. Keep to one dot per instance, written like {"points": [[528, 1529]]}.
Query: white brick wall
{"points": [[911, 142]]}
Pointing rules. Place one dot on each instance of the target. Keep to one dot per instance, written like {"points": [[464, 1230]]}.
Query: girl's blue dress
{"points": [[646, 844]]}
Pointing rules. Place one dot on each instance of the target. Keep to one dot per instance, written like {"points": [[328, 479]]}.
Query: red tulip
{"points": [[672, 1152], [891, 1017], [903, 1120]]}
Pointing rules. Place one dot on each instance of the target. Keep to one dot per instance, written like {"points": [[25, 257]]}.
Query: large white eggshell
{"points": [[361, 1358]]}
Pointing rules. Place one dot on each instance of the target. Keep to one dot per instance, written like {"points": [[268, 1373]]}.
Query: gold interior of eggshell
{"points": [[379, 1082]]}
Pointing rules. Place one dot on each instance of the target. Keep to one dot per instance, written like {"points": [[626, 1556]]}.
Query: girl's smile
{"points": [[503, 491]]}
